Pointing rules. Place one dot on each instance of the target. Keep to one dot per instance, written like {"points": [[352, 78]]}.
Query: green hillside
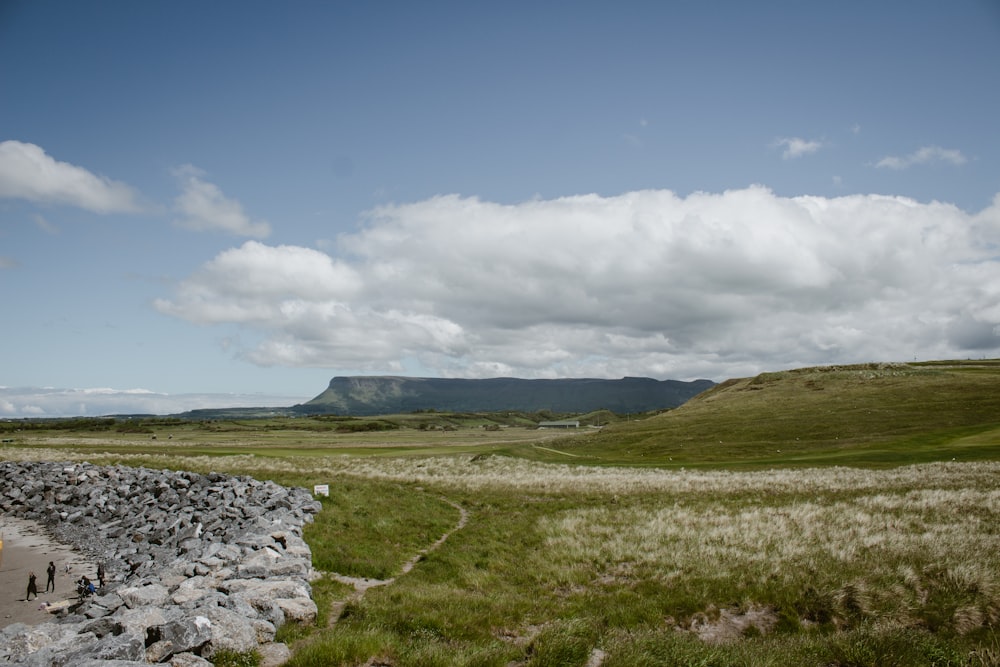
{"points": [[870, 414]]}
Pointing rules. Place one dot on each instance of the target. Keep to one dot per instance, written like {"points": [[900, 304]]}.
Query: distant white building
{"points": [[562, 423]]}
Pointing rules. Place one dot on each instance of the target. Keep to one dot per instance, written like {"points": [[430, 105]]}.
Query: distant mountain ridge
{"points": [[374, 395]]}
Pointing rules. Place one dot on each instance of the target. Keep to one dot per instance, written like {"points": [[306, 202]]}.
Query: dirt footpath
{"points": [[26, 548]]}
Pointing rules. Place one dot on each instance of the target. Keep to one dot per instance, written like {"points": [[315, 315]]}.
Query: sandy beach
{"points": [[27, 547]]}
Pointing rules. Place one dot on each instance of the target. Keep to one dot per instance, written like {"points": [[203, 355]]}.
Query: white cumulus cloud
{"points": [[645, 283], [796, 147], [924, 155], [256, 284], [204, 207], [28, 172]]}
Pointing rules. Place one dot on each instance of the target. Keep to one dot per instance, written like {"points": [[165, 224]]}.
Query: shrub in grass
{"points": [[291, 632], [563, 643], [228, 658], [987, 652], [344, 648], [873, 646], [626, 649], [350, 646]]}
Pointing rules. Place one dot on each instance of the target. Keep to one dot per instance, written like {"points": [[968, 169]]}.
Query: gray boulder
{"points": [[151, 595], [230, 632], [188, 660], [126, 646], [184, 635]]}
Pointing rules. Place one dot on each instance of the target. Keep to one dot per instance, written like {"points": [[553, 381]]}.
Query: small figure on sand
{"points": [[32, 587], [100, 574], [51, 581]]}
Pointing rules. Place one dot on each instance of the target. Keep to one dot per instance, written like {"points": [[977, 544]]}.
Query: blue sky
{"points": [[205, 200]]}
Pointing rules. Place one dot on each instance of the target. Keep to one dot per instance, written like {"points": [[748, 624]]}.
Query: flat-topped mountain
{"points": [[373, 395]]}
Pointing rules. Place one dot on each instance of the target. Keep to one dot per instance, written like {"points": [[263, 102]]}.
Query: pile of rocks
{"points": [[196, 564]]}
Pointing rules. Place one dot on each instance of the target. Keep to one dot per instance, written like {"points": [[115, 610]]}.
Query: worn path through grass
{"points": [[362, 585]]}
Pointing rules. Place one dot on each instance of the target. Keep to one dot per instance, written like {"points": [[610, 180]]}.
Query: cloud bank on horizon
{"points": [[694, 194], [51, 402]]}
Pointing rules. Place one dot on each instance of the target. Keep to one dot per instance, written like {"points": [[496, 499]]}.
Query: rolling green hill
{"points": [[870, 414]]}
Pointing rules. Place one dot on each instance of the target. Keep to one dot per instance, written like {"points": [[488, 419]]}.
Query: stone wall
{"points": [[195, 564]]}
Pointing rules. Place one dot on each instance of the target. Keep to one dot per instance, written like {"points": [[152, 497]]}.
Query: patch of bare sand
{"points": [[27, 547], [729, 625]]}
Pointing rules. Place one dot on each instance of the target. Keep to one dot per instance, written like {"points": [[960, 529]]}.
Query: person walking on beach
{"points": [[100, 574], [51, 581], [32, 587]]}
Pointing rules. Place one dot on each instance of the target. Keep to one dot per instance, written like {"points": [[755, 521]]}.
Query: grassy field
{"points": [[860, 543], [870, 415]]}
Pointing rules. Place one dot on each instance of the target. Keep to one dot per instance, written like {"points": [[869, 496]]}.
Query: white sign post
{"points": [[321, 490]]}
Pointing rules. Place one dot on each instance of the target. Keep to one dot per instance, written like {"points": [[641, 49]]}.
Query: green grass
{"points": [[860, 567], [229, 658], [368, 529], [868, 415], [871, 415], [860, 541], [544, 578]]}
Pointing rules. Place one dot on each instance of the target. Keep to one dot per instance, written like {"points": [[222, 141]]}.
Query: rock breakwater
{"points": [[196, 564]]}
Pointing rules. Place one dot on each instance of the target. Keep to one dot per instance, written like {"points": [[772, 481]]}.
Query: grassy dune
{"points": [[871, 415]]}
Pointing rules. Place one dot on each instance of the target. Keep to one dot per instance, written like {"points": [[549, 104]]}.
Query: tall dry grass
{"points": [[871, 554]]}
